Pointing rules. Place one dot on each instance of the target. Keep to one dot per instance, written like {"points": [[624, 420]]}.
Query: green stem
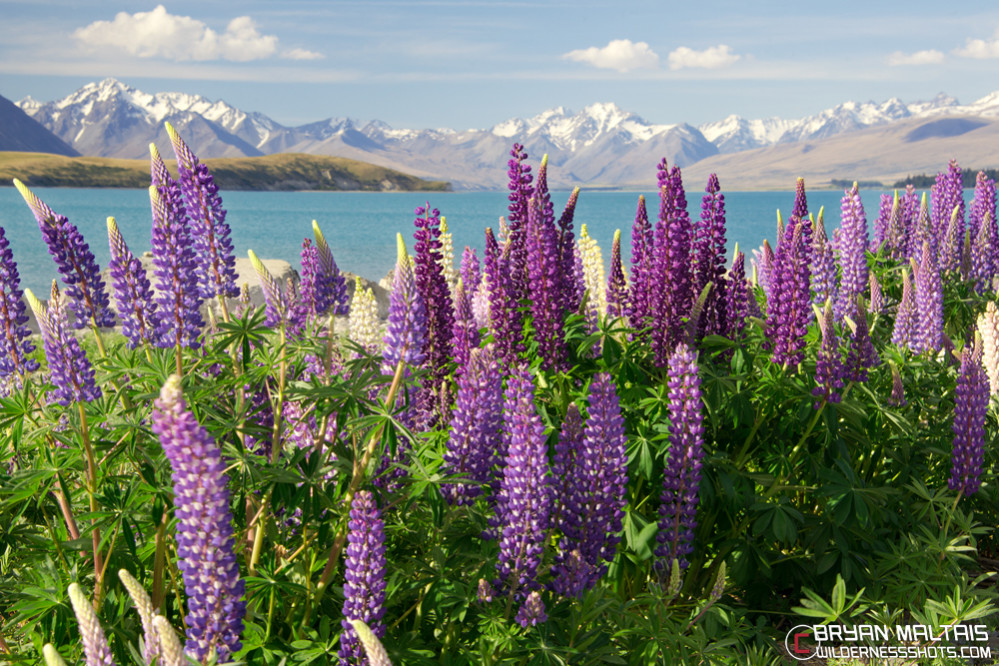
{"points": [[159, 563], [91, 491]]}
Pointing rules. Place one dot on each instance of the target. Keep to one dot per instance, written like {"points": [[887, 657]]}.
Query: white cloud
{"points": [[980, 48], [619, 54], [713, 57], [301, 54], [159, 34], [927, 57]]}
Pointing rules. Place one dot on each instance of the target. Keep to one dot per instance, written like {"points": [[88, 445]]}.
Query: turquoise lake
{"points": [[361, 226]]}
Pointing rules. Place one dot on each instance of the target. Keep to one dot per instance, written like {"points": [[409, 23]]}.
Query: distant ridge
{"points": [[19, 131]]}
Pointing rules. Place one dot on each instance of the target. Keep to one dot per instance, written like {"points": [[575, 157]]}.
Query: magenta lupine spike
{"points": [[15, 342], [971, 403], [737, 297], [789, 311], [877, 299], [95, 643], [910, 216], [861, 355], [903, 335], [709, 257], [476, 423], [929, 306], [544, 277], [178, 313], [88, 298], [406, 330], [983, 268], [617, 285], [682, 475], [216, 263], [69, 369], [829, 370], [591, 511], [852, 253], [881, 224], [334, 279], [521, 191], [364, 577], [823, 264], [672, 293], [132, 291], [572, 289], [205, 541], [436, 295], [471, 272], [503, 314], [947, 194], [897, 398], [524, 502], [465, 336], [640, 294]]}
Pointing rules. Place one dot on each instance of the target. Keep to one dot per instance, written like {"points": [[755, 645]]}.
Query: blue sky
{"points": [[465, 64]]}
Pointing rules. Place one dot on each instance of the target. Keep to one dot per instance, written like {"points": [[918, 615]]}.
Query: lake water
{"points": [[361, 226]]}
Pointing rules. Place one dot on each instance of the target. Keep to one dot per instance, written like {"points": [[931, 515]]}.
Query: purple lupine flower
{"points": [[983, 267], [640, 294], [861, 355], [971, 403], [829, 370], [95, 643], [476, 423], [521, 192], [216, 263], [591, 511], [763, 267], [895, 235], [948, 196], [205, 542], [406, 330], [567, 451], [504, 317], [949, 257], [532, 611], [465, 336], [877, 301], [852, 253], [682, 475], [800, 209], [144, 606], [923, 231], [69, 369], [178, 315], [544, 276], [316, 292], [88, 299], [789, 311], [15, 343], [709, 256], [524, 501], [471, 271], [436, 296], [897, 398], [984, 202], [823, 264], [276, 307], [738, 296], [333, 278], [133, 294], [780, 232], [904, 333], [572, 288], [364, 577], [910, 215], [671, 298], [881, 224], [929, 305], [617, 285]]}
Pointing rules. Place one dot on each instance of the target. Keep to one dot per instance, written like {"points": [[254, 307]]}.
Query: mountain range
{"points": [[600, 146]]}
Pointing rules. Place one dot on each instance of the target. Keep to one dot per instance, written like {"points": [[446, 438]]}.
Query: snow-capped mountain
{"points": [[600, 145]]}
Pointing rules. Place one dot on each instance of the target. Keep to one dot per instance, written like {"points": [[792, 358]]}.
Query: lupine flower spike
{"points": [[897, 398], [88, 299], [593, 275], [334, 280], [15, 340], [929, 305], [406, 332], [852, 253], [971, 401], [903, 335], [363, 322], [988, 329], [205, 541], [829, 370], [69, 369], [617, 284], [364, 576], [861, 356], [132, 291], [171, 651], [95, 644], [52, 656], [373, 648], [144, 606]]}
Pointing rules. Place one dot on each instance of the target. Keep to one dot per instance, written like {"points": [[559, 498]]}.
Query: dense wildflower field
{"points": [[531, 461]]}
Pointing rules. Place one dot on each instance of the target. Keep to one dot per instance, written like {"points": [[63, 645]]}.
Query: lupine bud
{"points": [[682, 475], [929, 305], [363, 322], [364, 576], [829, 370], [144, 605], [373, 648], [69, 369], [88, 299], [406, 331], [617, 284], [447, 253], [572, 289], [132, 291], [532, 611], [949, 255], [52, 656], [274, 303], [170, 649], [178, 314], [15, 341], [331, 274], [95, 645], [971, 401], [906, 317], [988, 328], [476, 422], [524, 501], [877, 304], [641, 268], [709, 257], [216, 263], [897, 398], [763, 264], [881, 224], [861, 355], [852, 253], [205, 541]]}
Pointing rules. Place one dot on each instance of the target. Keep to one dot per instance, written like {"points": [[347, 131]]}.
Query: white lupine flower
{"points": [[447, 255], [988, 327], [594, 278], [480, 304], [363, 319]]}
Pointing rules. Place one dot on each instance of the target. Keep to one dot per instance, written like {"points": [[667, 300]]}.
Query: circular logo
{"points": [[798, 642]]}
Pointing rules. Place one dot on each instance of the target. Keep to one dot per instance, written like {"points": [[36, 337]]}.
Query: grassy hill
{"points": [[285, 171]]}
